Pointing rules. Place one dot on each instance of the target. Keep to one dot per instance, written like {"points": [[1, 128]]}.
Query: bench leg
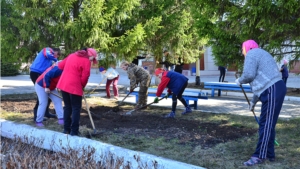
{"points": [[136, 98], [219, 92], [212, 92], [195, 105]]}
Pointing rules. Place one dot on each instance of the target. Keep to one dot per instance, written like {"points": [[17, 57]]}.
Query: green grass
{"points": [[227, 155]]}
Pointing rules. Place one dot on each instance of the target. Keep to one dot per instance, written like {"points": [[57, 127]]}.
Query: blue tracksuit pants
{"points": [[272, 100]]}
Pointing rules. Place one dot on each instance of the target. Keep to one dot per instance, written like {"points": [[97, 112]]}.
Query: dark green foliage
{"points": [[107, 61], [227, 24], [9, 69]]}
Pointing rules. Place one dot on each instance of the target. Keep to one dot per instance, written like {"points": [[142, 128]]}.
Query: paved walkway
{"points": [[230, 102]]}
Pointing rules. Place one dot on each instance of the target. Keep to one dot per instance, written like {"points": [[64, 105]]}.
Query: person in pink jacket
{"points": [[76, 72]]}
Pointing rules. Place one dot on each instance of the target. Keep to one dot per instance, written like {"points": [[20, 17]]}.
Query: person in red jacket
{"points": [[45, 87], [76, 72], [176, 83]]}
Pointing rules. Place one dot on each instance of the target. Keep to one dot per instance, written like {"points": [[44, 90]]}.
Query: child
{"points": [[112, 78], [44, 86], [176, 83], [42, 62]]}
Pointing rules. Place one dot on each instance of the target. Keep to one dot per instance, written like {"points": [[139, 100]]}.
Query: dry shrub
{"points": [[22, 153]]}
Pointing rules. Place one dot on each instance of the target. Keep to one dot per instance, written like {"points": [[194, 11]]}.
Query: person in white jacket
{"points": [[112, 78]]}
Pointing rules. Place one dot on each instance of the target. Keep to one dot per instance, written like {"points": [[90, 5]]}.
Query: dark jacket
{"points": [[179, 65], [284, 72], [136, 60], [173, 80]]}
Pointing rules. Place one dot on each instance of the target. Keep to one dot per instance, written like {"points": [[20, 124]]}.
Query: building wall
{"points": [[208, 60]]}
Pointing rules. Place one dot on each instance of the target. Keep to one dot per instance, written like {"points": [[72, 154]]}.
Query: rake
{"points": [[253, 109], [88, 95]]}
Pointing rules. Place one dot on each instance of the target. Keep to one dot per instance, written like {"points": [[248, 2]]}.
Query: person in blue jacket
{"points": [[284, 71], [45, 87], [43, 61], [176, 84]]}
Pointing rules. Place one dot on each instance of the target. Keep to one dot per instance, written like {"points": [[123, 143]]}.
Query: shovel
{"points": [[276, 143], [88, 110], [129, 113]]}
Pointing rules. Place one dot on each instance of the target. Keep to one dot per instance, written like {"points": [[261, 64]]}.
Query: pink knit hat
{"points": [[248, 45], [285, 61], [92, 52]]}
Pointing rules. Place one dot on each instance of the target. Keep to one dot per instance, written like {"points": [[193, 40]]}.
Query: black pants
{"points": [[222, 74], [284, 80], [179, 97], [34, 76], [73, 104]]}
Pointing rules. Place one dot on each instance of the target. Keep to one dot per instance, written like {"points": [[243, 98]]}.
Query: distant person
{"points": [[169, 61], [176, 84], [136, 59], [45, 87], [138, 75], [179, 65], [268, 86], [43, 61], [112, 78], [222, 73], [284, 71], [76, 72]]}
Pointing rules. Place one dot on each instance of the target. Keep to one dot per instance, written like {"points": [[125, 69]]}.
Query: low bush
{"points": [[9, 69]]}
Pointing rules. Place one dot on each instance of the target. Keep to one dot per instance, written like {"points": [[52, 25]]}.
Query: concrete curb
{"points": [[55, 141]]}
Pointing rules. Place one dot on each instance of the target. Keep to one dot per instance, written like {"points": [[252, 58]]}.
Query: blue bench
{"points": [[225, 86], [187, 95]]}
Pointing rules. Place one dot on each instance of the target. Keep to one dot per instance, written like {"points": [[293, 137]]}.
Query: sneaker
{"points": [[253, 161], [187, 110], [61, 121], [170, 115], [116, 98], [39, 124]]}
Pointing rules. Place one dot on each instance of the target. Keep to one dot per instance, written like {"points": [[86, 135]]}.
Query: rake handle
{"points": [[56, 95], [143, 106]]}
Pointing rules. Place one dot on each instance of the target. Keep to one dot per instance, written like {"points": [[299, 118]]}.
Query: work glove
{"points": [[156, 100], [237, 82], [47, 90], [251, 106], [167, 95]]}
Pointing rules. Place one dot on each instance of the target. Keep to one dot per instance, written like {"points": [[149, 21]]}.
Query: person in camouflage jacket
{"points": [[138, 75]]}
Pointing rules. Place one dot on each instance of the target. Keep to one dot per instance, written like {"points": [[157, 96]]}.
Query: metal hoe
{"points": [[253, 109]]}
